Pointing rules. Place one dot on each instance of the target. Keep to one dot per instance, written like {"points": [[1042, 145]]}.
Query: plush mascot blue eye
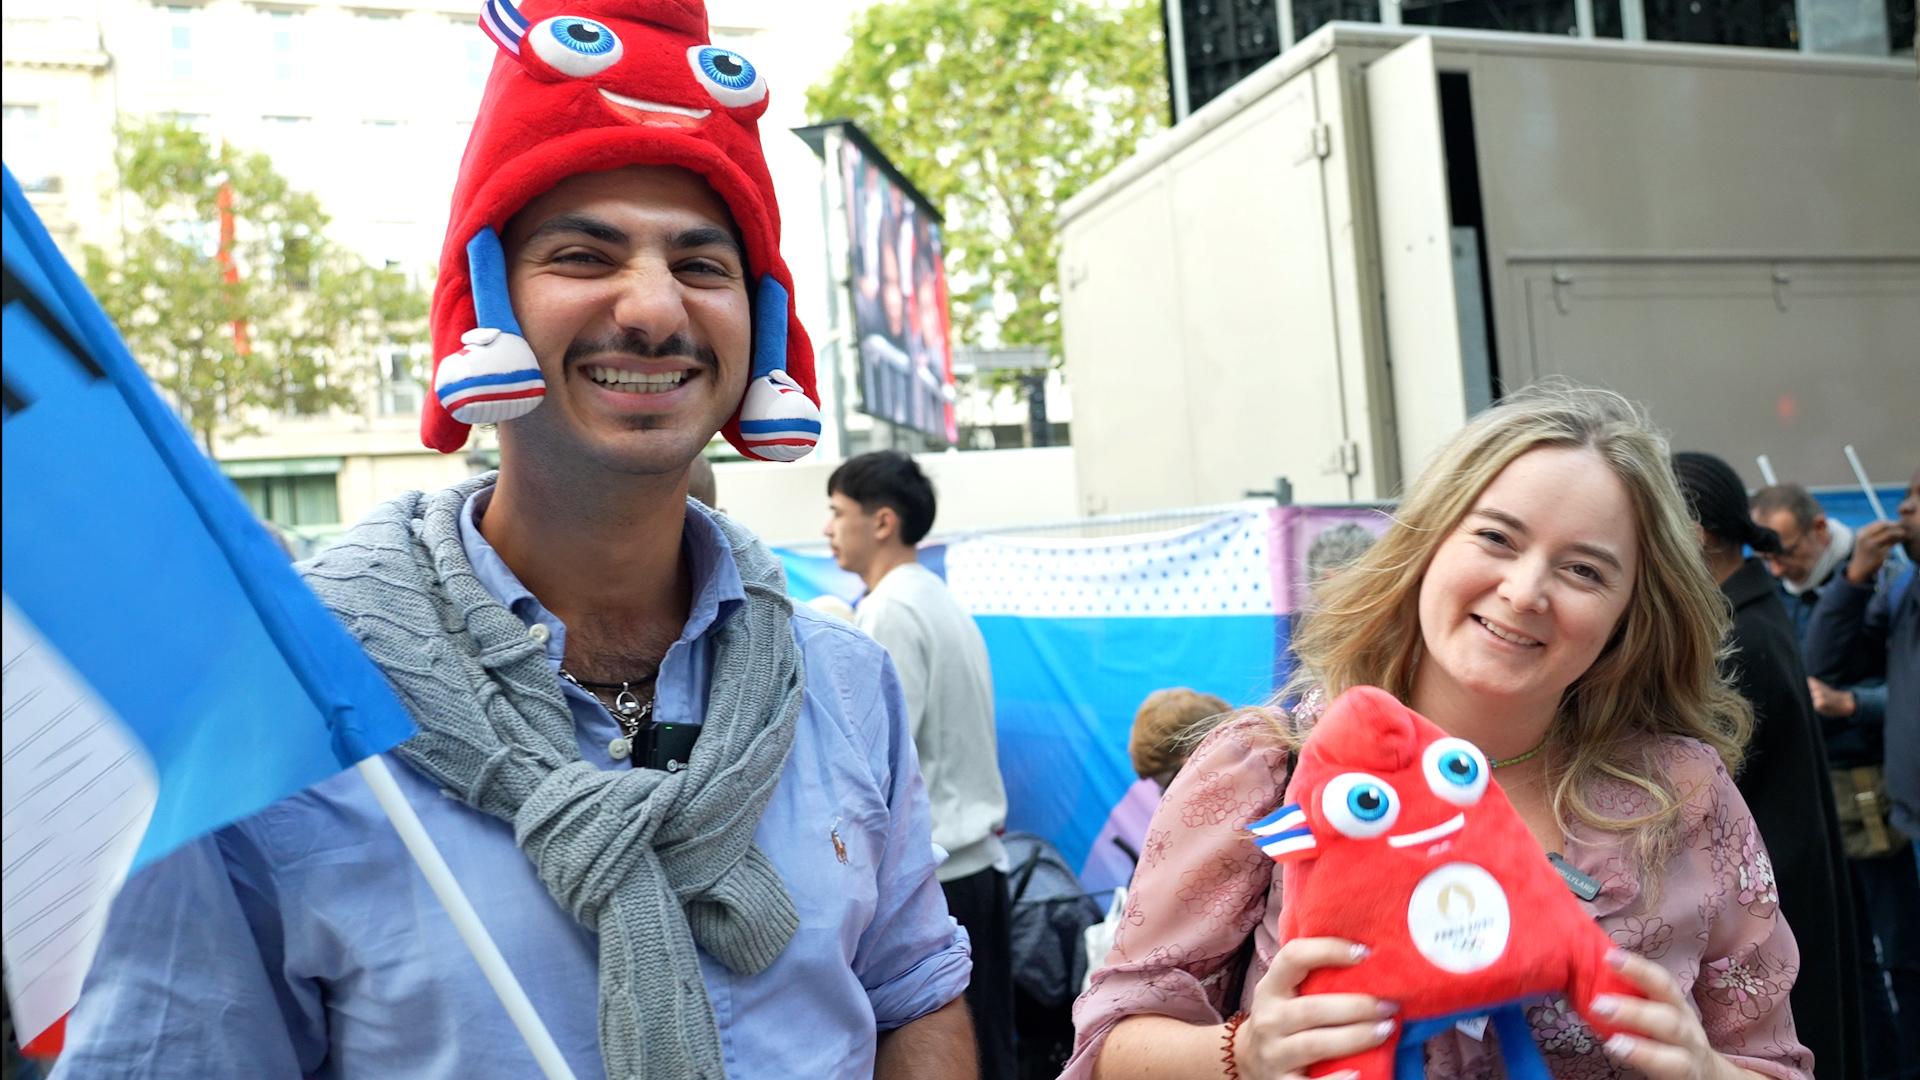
{"points": [[729, 77], [1359, 805], [1456, 770], [575, 46]]}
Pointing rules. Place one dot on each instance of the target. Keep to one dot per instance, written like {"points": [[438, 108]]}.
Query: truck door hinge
{"points": [[1317, 144], [1344, 461]]}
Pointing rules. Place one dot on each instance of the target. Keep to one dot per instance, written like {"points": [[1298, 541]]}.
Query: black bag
{"points": [[1051, 913]]}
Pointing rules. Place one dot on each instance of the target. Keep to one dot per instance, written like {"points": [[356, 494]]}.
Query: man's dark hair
{"points": [[1771, 500], [888, 478]]}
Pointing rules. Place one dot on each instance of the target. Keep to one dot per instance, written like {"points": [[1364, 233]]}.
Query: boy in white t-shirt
{"points": [[882, 505]]}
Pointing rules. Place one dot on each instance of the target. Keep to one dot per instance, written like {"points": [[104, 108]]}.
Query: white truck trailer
{"points": [[1322, 273]]}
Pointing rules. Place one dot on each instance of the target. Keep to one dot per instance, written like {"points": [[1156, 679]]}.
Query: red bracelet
{"points": [[1226, 1043]]}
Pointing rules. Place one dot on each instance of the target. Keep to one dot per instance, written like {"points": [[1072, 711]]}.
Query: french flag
{"points": [[166, 671]]}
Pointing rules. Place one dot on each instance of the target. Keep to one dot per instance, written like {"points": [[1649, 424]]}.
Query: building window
{"points": [[24, 142], [288, 140], [399, 388], [180, 38], [480, 50], [280, 25], [293, 500]]}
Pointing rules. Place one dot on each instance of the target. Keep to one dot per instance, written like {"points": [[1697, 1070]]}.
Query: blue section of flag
{"points": [[1850, 506], [1065, 694], [137, 559], [810, 577]]}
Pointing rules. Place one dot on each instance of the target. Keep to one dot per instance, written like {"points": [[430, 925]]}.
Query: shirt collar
{"points": [[718, 592]]}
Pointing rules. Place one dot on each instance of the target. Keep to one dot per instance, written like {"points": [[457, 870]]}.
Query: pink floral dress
{"points": [[1202, 887]]}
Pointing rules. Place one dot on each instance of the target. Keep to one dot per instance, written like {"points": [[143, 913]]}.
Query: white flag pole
{"points": [[413, 834], [1766, 471], [1873, 497]]}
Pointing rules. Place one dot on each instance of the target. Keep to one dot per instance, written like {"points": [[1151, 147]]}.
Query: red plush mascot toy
{"points": [[584, 85], [1399, 839]]}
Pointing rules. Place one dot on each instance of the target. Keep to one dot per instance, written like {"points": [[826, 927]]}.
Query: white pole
{"points": [[1177, 53], [1633, 20], [1873, 497], [1866, 485], [1583, 17], [465, 919], [1766, 471]]}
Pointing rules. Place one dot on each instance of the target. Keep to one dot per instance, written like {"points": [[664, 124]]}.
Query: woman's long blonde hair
{"points": [[1658, 675]]}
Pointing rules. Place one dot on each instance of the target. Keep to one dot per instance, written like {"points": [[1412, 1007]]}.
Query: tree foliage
{"points": [[313, 317], [1000, 110]]}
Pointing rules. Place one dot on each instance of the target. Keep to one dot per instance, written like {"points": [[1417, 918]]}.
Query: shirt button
{"points": [[618, 749], [539, 632]]}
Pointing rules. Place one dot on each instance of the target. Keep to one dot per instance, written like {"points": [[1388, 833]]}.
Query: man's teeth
{"points": [[639, 382], [1504, 635]]}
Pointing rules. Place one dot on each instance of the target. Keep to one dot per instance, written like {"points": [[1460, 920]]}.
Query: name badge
{"points": [[1584, 886]]}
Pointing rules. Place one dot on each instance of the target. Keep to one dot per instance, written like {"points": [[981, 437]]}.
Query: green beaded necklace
{"points": [[1522, 757]]}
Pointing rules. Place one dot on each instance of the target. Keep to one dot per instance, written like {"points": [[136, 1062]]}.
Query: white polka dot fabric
{"points": [[1219, 568]]}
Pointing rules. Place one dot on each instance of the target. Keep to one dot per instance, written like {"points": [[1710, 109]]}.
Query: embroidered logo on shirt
{"points": [[839, 845]]}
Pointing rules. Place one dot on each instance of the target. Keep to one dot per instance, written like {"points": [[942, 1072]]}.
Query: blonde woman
{"points": [[1540, 594]]}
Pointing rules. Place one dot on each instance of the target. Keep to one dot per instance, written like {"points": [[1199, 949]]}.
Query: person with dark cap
{"points": [[1784, 775]]}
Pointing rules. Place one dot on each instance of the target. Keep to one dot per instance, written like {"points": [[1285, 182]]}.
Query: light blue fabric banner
{"points": [[1081, 631]]}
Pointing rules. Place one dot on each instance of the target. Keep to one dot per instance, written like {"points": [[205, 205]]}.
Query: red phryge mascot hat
{"points": [[586, 85], [1397, 838]]}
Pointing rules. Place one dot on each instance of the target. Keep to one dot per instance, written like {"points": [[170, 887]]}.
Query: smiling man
{"points": [[689, 814]]}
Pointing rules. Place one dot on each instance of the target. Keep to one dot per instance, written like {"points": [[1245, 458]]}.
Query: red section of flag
{"points": [[48, 1043], [231, 274]]}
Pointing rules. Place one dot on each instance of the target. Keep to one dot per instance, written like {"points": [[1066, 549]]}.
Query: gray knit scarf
{"points": [[652, 861]]}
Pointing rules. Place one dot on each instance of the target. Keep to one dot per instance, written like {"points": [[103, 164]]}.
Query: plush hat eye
{"points": [[1359, 805], [729, 77], [1456, 770], [575, 46]]}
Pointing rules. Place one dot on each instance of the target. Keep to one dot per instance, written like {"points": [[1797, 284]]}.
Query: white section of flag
{"points": [[1217, 568], [78, 789]]}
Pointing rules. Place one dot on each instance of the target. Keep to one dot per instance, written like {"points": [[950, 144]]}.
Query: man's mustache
{"points": [[634, 344]]}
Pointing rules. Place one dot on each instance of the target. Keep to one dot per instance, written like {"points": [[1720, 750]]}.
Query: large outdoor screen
{"points": [[899, 299]]}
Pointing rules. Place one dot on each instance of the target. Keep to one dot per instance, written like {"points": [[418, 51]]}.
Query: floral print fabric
{"points": [[1202, 886]]}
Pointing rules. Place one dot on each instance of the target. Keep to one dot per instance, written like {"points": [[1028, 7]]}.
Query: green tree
{"points": [[311, 317], [1000, 110]]}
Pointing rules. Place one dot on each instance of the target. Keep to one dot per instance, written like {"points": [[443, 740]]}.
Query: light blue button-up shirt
{"points": [[302, 941]]}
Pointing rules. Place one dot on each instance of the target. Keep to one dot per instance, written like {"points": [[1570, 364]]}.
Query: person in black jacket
{"points": [[1859, 631], [1886, 889], [1784, 777]]}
